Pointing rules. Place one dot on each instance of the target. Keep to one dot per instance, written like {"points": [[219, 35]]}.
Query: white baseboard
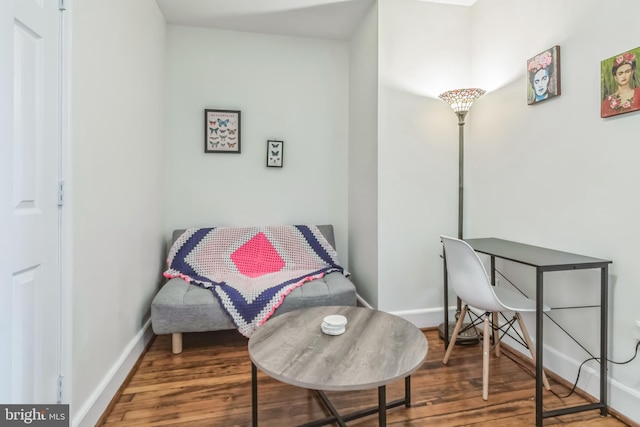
{"points": [[627, 400], [363, 302], [422, 318], [89, 414]]}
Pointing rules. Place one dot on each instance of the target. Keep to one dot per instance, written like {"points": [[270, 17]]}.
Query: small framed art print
{"points": [[221, 131], [620, 84], [275, 153], [543, 76]]}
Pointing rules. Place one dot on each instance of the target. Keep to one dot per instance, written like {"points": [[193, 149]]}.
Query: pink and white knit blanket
{"points": [[250, 270]]}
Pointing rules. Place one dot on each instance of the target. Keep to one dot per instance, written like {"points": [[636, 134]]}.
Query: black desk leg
{"points": [[493, 270], [407, 392], [254, 395], [382, 406], [539, 346], [604, 317]]}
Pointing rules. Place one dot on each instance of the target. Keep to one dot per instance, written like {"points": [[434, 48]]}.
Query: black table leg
{"points": [[334, 412], [604, 317], [254, 395], [539, 346], [382, 406]]}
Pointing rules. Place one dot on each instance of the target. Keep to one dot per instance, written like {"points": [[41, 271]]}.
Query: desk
{"points": [[544, 260]]}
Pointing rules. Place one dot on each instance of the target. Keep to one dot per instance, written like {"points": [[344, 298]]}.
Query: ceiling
{"points": [[333, 19]]}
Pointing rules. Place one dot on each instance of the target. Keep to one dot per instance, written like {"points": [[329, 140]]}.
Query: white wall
{"points": [[363, 157], [288, 88], [555, 174], [423, 52], [118, 159]]}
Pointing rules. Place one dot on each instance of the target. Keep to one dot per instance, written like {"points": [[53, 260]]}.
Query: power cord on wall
{"points": [[575, 384]]}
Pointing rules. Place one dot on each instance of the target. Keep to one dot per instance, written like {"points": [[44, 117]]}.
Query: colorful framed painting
{"points": [[275, 154], [543, 76], [221, 131], [620, 84]]}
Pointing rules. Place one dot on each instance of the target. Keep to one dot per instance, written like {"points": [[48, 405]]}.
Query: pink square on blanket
{"points": [[257, 257]]}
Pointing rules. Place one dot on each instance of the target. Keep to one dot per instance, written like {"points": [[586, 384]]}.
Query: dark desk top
{"points": [[534, 256]]}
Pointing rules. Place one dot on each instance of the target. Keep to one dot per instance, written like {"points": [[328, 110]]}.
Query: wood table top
{"points": [[376, 349]]}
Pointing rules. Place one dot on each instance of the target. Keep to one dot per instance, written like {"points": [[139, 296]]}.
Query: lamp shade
{"points": [[461, 99]]}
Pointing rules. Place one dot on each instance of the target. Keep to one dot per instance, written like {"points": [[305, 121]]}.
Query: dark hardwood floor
{"points": [[209, 384]]}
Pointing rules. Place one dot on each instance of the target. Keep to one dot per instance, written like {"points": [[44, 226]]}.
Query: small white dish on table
{"points": [[334, 324]]}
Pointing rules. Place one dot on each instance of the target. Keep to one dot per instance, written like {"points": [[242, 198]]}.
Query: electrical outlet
{"points": [[638, 324]]}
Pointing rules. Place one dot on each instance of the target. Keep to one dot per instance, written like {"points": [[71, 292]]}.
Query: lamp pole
{"points": [[460, 101], [461, 115]]}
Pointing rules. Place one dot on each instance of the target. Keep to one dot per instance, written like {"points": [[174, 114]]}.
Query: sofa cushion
{"points": [[181, 307]]}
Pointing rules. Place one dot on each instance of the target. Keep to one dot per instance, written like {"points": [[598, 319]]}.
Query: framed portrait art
{"points": [[543, 76], [620, 84], [221, 131], [275, 154]]}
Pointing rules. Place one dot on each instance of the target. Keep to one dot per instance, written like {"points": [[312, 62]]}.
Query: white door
{"points": [[31, 282]]}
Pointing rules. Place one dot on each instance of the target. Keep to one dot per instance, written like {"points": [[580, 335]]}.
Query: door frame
{"points": [[66, 212]]}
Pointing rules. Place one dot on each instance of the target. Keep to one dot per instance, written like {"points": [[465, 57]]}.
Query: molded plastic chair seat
{"points": [[468, 278], [514, 301]]}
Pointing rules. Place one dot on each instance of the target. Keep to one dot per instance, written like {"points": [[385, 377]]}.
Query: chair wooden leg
{"points": [[454, 336], [532, 350], [486, 348], [496, 332]]}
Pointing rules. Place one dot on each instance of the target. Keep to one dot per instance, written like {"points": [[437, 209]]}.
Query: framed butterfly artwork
{"points": [[221, 131], [275, 153]]}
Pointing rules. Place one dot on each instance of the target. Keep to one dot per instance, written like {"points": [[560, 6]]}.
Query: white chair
{"points": [[468, 278]]}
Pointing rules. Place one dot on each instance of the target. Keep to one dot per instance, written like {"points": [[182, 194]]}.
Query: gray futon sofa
{"points": [[181, 307]]}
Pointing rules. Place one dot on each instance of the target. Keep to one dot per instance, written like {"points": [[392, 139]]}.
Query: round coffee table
{"points": [[376, 349]]}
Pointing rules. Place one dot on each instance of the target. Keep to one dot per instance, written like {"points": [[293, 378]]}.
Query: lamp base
{"points": [[467, 335]]}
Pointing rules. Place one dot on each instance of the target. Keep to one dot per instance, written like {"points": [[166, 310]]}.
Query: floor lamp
{"points": [[460, 101]]}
